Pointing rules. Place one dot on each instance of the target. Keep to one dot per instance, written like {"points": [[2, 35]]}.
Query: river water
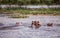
{"points": [[26, 32]]}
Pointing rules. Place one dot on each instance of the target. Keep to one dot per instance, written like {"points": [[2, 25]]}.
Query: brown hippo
{"points": [[18, 23], [36, 24], [50, 24]]}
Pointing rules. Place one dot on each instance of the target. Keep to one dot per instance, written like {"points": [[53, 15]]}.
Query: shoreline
{"points": [[41, 15]]}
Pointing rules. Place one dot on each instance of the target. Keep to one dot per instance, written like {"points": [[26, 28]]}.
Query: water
{"points": [[26, 32], [30, 6], [40, 6]]}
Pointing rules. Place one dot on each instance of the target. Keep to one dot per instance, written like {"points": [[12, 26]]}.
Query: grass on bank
{"points": [[18, 16], [53, 11]]}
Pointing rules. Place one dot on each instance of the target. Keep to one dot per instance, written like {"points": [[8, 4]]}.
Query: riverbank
{"points": [[24, 16], [17, 12]]}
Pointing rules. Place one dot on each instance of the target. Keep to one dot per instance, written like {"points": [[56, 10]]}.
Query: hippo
{"points": [[18, 23], [50, 24], [36, 24]]}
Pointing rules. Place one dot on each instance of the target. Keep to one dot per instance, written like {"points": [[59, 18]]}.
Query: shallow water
{"points": [[43, 20], [26, 32]]}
